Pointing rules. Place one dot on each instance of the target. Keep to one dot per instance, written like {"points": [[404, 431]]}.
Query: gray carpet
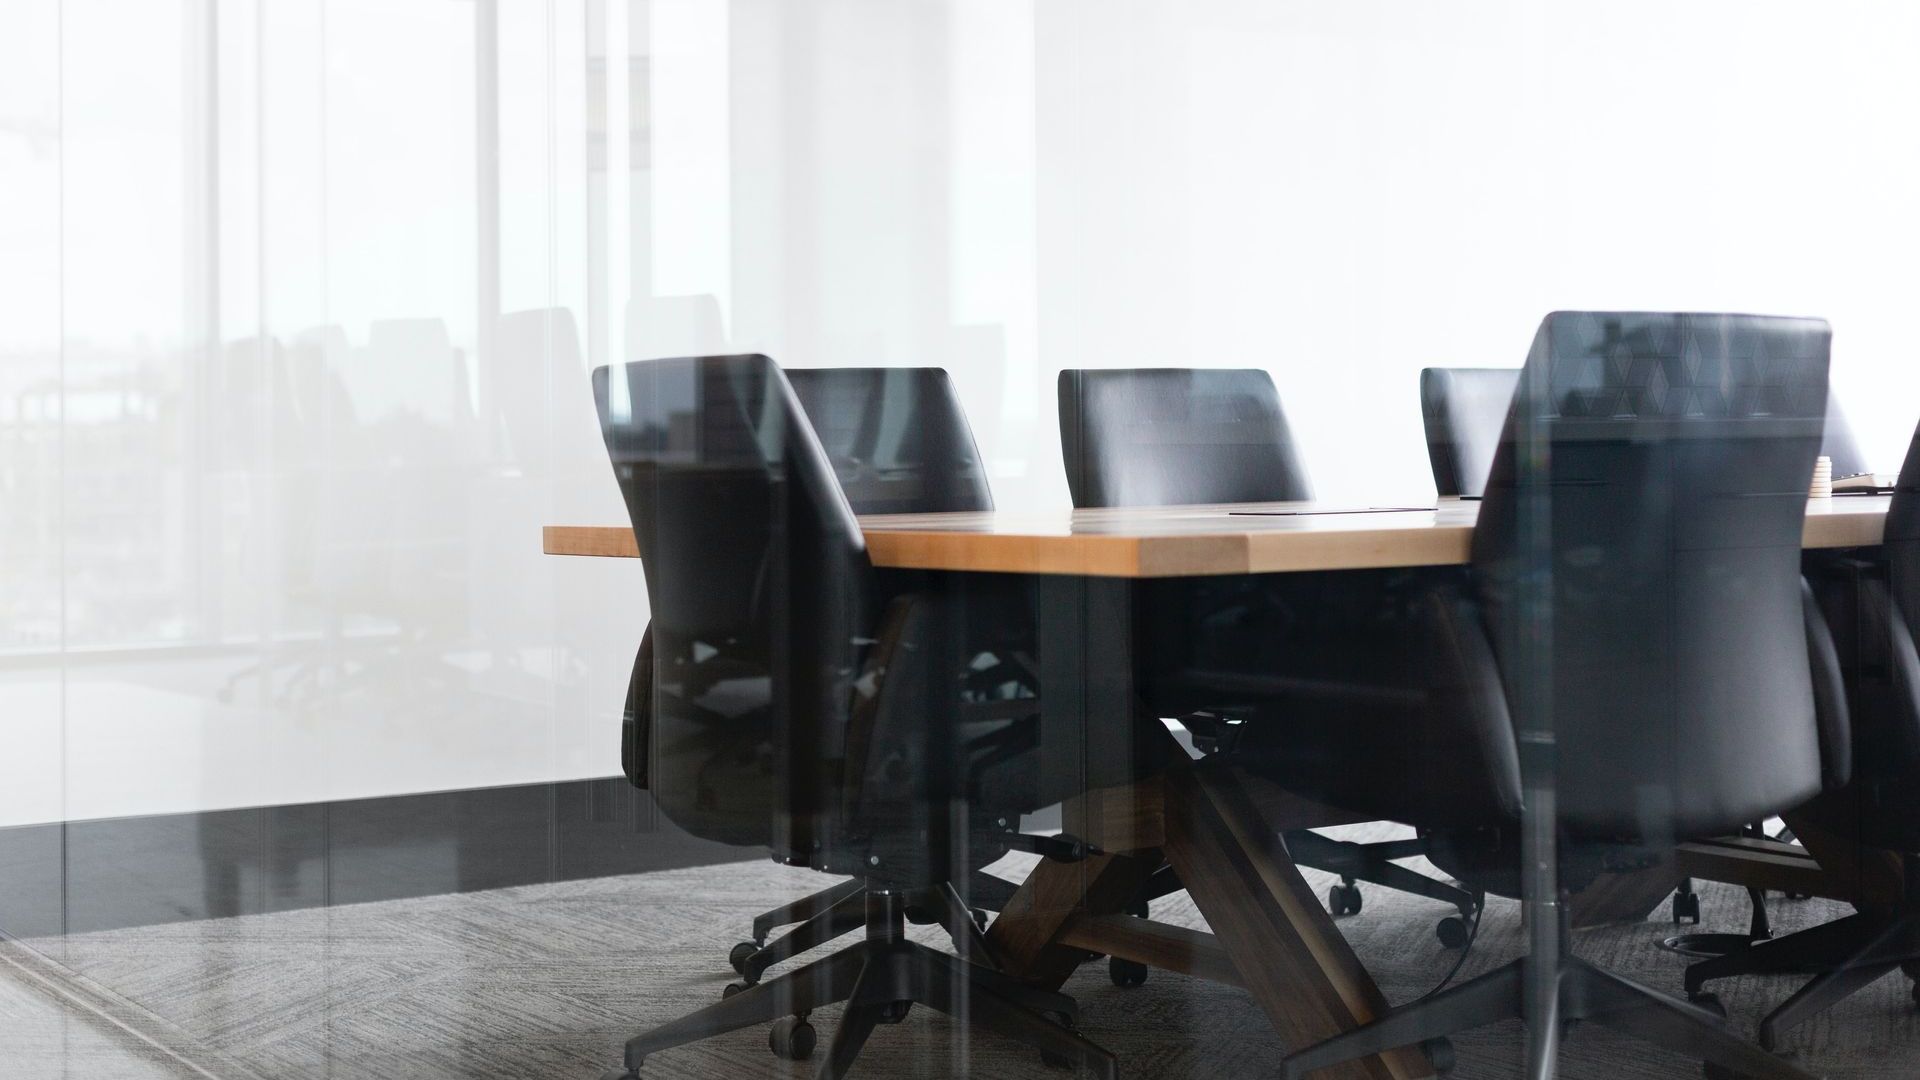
{"points": [[547, 981], [45, 1036]]}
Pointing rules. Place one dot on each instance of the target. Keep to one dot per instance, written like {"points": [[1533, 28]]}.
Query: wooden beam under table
{"points": [[1623, 898], [1756, 864], [1128, 819], [1851, 871], [1289, 955], [1029, 936], [1221, 832], [1155, 944]]}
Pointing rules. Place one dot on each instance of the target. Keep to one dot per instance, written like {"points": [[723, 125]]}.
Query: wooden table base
{"points": [[1623, 898], [1270, 934], [1030, 934], [1290, 956]]}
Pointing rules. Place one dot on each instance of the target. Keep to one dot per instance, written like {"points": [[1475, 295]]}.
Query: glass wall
{"points": [[279, 399], [303, 299]]}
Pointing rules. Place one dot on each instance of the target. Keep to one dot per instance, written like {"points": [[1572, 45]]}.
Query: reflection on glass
{"points": [[303, 304]]}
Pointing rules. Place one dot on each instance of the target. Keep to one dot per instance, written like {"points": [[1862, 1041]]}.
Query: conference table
{"points": [[1190, 541], [1216, 826]]}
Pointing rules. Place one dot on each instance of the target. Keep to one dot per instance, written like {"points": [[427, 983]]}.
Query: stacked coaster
{"points": [[1822, 478]]}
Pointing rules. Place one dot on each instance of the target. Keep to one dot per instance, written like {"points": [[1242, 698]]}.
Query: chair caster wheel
{"points": [[1440, 1052], [1686, 908], [791, 1038], [1709, 1002], [980, 918], [1344, 900], [1126, 974], [741, 953], [1452, 932], [1047, 1057], [1916, 993], [731, 989], [895, 1011]]}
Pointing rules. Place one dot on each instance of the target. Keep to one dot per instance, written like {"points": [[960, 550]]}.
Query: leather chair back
{"points": [[1176, 436], [897, 438], [1637, 561], [1464, 410], [1871, 606], [1839, 444], [1884, 681]]}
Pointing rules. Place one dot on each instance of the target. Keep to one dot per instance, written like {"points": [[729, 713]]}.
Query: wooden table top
{"points": [[1178, 541]]}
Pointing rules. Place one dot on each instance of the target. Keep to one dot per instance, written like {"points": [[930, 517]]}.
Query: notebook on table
{"points": [[1865, 483]]}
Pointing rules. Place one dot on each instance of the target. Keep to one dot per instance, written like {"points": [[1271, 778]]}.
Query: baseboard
{"points": [[76, 877]]}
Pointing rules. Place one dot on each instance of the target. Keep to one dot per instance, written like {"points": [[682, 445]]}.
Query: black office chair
{"points": [[1182, 436], [1464, 410], [897, 438], [1837, 442], [804, 702], [1873, 607], [899, 443], [1176, 437], [1635, 598]]}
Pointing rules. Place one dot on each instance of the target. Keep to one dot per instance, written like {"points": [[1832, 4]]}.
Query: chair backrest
{"points": [[1839, 444], [1902, 541], [409, 368], [539, 384], [1176, 436], [897, 438], [1637, 560], [1875, 625], [258, 427], [759, 587], [1464, 410], [316, 360], [899, 443]]}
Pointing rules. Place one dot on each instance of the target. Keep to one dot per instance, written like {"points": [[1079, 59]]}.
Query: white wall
{"points": [[1346, 193], [1343, 193]]}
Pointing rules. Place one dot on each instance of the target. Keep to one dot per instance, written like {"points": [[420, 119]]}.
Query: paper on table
{"points": [[1337, 510]]}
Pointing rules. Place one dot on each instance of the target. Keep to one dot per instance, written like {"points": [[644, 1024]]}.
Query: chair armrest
{"points": [[636, 720], [1463, 678], [870, 694], [1829, 695], [1902, 741]]}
